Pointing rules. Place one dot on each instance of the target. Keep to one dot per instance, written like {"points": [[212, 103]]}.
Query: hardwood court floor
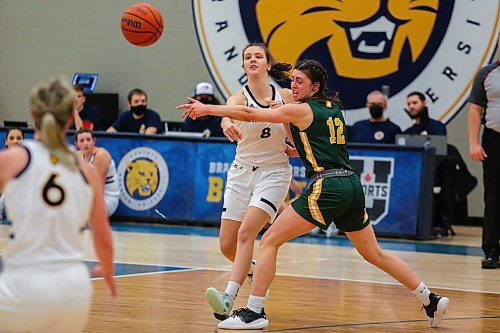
{"points": [[173, 302], [322, 285]]}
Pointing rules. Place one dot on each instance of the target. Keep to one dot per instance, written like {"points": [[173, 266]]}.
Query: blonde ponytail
{"points": [[52, 106]]}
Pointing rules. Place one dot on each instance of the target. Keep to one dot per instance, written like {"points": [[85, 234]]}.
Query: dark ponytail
{"points": [[315, 71]]}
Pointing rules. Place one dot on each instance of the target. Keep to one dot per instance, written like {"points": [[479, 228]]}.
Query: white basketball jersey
{"points": [[111, 187], [48, 205], [261, 142]]}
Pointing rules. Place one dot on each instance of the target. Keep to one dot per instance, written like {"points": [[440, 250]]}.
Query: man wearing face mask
{"points": [[376, 129], [139, 119], [208, 125], [417, 110]]}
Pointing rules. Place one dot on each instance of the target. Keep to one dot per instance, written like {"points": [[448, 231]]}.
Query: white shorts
{"points": [[264, 187], [54, 299], [111, 204]]}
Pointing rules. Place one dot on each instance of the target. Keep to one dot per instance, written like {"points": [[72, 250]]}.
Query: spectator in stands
{"points": [[376, 129], [208, 125], [139, 119], [13, 136], [85, 115], [443, 215], [417, 110]]}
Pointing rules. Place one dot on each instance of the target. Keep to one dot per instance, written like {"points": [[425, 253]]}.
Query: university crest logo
{"points": [[433, 46], [143, 178], [376, 175]]}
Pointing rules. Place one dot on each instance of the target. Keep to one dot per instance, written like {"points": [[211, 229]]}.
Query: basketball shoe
{"points": [[436, 309], [245, 319], [220, 302]]}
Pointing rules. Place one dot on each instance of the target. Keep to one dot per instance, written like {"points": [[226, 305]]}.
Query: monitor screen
{"points": [[15, 123], [86, 80]]}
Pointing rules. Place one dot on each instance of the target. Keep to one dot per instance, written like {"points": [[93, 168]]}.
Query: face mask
{"points": [[376, 111], [138, 110], [206, 100]]}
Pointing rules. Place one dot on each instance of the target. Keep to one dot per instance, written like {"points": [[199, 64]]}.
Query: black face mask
{"points": [[138, 110], [206, 100], [376, 110]]}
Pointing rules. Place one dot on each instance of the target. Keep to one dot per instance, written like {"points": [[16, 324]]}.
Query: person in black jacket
{"points": [[418, 111], [208, 125]]}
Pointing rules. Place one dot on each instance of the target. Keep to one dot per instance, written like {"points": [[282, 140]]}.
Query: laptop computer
{"points": [[439, 142], [86, 80]]}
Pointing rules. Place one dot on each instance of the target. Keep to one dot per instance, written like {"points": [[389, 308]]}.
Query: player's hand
{"points": [[194, 109], [274, 104], [291, 152], [477, 152], [230, 130], [108, 277]]}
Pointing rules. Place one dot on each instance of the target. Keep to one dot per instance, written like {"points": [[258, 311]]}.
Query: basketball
{"points": [[142, 24]]}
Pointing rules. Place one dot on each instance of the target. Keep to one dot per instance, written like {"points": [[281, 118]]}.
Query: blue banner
{"points": [[210, 173], [179, 179], [156, 177]]}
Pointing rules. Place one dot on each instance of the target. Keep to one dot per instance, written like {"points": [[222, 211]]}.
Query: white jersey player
{"points": [[50, 197], [259, 178], [102, 160]]}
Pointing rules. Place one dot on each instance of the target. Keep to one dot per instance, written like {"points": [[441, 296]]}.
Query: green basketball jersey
{"points": [[322, 145]]}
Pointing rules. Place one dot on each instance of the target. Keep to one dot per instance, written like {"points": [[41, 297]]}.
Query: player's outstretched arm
{"points": [[99, 223], [284, 114]]}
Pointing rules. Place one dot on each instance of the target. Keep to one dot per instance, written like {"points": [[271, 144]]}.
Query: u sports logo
{"points": [[432, 46], [143, 178], [376, 175]]}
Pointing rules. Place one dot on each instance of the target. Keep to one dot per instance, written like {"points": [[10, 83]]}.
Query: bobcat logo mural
{"points": [[364, 41], [143, 178], [433, 46]]}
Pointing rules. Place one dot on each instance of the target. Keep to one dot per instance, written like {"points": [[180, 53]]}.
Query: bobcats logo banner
{"points": [[376, 175], [143, 178], [432, 46]]}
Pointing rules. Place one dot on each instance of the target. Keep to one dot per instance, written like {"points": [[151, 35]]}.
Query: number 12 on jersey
{"points": [[336, 127]]}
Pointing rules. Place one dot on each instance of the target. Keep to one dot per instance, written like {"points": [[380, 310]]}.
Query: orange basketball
{"points": [[142, 24]]}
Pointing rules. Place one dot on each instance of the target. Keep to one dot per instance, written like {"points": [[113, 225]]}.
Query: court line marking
{"points": [[191, 268], [147, 273], [395, 244], [376, 323]]}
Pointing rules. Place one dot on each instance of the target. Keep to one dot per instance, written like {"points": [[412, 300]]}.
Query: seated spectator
{"points": [[208, 125], [417, 110], [13, 137], [376, 129], [88, 114], [139, 119], [101, 159], [445, 173]]}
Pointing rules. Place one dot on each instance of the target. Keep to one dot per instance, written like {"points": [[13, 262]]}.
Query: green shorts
{"points": [[338, 200]]}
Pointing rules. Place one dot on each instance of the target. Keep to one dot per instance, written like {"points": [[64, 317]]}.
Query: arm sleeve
{"points": [[443, 129], [118, 124], [155, 121], [187, 125], [94, 117], [478, 93], [355, 133], [398, 129]]}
